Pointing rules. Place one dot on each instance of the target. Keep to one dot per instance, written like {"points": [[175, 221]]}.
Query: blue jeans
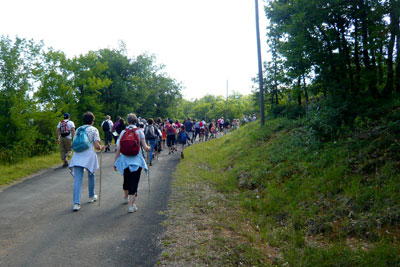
{"points": [[152, 146], [78, 177]]}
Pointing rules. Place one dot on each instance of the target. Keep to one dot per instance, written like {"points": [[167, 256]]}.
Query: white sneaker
{"points": [[126, 200], [76, 207], [132, 208], [93, 199]]}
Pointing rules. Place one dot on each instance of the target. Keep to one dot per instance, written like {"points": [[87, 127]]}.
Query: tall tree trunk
{"points": [[330, 59], [272, 97], [370, 69], [397, 77], [380, 63], [275, 92], [299, 91], [349, 69], [390, 73], [357, 58], [342, 72], [305, 88]]}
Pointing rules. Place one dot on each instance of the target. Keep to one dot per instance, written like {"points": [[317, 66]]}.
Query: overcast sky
{"points": [[202, 43]]}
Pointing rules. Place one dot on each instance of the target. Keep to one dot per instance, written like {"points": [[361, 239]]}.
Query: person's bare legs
{"points": [[132, 199]]}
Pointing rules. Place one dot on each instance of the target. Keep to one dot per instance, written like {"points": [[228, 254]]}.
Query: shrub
{"points": [[290, 111]]}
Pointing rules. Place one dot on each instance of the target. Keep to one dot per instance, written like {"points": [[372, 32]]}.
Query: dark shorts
{"points": [[108, 136], [131, 181], [170, 140]]}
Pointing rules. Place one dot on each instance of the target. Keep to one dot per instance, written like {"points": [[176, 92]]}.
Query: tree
{"points": [[18, 131]]}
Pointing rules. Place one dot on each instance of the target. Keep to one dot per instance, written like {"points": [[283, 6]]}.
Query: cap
{"points": [[171, 121], [66, 115]]}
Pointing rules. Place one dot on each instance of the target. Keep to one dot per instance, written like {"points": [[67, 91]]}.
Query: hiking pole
{"points": [[101, 163], [148, 171]]}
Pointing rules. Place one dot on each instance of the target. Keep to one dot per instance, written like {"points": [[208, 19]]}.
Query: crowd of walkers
{"points": [[132, 137]]}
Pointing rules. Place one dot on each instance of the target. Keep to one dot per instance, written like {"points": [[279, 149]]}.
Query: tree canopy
{"points": [[347, 50]]}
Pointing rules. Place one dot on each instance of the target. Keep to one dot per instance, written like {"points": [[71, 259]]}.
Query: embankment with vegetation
{"points": [[14, 173], [286, 194]]}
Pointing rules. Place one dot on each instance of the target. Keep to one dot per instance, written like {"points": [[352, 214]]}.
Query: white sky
{"points": [[202, 43]]}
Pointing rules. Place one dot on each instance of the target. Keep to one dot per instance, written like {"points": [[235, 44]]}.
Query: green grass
{"points": [[14, 172], [334, 203]]}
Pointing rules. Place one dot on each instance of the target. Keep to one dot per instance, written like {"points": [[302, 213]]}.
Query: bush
{"points": [[326, 120], [35, 137], [290, 111]]}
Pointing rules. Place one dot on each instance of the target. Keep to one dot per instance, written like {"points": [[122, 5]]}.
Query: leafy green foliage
{"points": [[344, 53], [38, 86], [214, 107]]}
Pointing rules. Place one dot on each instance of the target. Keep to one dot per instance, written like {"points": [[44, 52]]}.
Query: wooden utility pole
{"points": [[260, 74]]}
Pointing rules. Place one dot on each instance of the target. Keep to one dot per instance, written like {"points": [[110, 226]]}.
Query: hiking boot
{"points": [[76, 207], [126, 200], [132, 208], [93, 199]]}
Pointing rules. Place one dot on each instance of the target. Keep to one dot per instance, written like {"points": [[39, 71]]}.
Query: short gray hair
{"points": [[132, 119]]}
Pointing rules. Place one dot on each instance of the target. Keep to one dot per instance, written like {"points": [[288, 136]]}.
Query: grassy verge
{"points": [[12, 173], [207, 225], [277, 196]]}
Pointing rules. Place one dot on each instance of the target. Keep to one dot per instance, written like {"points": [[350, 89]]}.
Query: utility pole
{"points": [[260, 74], [226, 109]]}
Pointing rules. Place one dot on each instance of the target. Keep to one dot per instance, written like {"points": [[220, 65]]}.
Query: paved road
{"points": [[39, 228]]}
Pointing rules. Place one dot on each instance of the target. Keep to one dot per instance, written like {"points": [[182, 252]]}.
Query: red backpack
{"points": [[129, 143], [64, 128], [170, 129]]}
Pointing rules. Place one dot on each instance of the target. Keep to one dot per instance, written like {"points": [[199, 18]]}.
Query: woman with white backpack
{"points": [[86, 139]]}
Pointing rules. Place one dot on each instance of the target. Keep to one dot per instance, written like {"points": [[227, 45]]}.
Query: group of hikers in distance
{"points": [[132, 137]]}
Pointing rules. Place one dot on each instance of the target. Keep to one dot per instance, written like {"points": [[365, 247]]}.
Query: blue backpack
{"points": [[81, 140], [183, 137]]}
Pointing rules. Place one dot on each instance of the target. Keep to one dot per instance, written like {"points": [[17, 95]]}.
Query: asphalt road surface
{"points": [[39, 228]]}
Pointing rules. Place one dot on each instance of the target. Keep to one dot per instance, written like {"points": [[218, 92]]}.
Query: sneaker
{"points": [[126, 200], [132, 208], [93, 199], [76, 207], [65, 163], [182, 155], [150, 164]]}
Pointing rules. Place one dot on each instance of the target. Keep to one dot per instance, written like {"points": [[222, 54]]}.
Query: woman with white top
{"points": [[86, 159], [131, 166]]}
